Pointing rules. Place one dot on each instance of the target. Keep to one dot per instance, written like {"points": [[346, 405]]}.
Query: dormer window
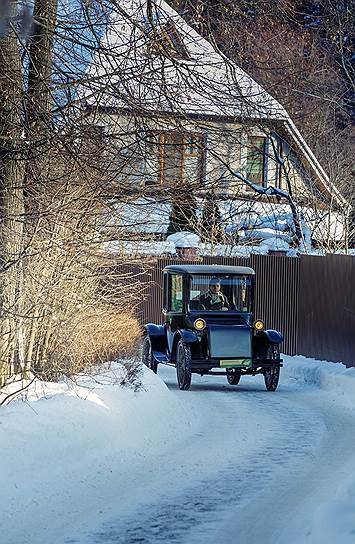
{"points": [[165, 40]]}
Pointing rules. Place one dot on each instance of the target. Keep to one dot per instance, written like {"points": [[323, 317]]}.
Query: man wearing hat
{"points": [[214, 299]]}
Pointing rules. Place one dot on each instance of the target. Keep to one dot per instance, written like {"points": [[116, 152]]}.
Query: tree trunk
{"points": [[39, 101], [12, 204]]}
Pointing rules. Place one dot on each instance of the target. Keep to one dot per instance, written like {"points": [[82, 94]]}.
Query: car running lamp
{"points": [[199, 324], [259, 325]]}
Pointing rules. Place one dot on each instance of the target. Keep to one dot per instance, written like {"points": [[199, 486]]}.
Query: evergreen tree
{"points": [[183, 213], [211, 220]]}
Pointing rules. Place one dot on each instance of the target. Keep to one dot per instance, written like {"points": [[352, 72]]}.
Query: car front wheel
{"points": [[233, 376], [147, 355], [183, 365], [272, 374]]}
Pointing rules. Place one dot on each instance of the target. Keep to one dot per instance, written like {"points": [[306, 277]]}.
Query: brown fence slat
{"points": [[327, 308]]}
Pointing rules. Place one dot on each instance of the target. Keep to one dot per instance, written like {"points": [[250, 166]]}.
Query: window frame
{"points": [[279, 167], [162, 144], [264, 160], [229, 289]]}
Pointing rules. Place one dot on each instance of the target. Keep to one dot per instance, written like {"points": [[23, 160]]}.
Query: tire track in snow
{"points": [[193, 513]]}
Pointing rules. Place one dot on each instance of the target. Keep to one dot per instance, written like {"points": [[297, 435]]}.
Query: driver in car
{"points": [[214, 299]]}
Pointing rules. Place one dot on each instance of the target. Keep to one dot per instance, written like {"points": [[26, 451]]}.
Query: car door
{"points": [[174, 306]]}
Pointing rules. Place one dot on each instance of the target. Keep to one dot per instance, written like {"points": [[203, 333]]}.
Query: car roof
{"points": [[209, 269]]}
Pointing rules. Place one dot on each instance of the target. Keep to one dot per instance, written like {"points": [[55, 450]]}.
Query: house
{"points": [[170, 113]]}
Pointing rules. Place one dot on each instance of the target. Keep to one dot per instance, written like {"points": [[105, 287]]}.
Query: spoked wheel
{"points": [[272, 374], [183, 365], [147, 355], [233, 376]]}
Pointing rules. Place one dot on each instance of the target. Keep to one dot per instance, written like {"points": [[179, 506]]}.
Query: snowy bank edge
{"points": [[335, 377], [334, 521]]}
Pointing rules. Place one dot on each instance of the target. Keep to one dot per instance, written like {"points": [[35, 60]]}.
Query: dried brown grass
{"points": [[93, 338]]}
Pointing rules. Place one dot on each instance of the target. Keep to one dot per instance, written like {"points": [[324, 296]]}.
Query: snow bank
{"points": [[333, 377], [71, 449], [69, 445], [334, 521]]}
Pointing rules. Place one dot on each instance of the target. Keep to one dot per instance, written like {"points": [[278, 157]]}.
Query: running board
{"points": [[160, 357]]}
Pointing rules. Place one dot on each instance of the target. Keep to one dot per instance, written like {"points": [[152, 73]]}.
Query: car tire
{"points": [[272, 374], [233, 376], [183, 365], [147, 355]]}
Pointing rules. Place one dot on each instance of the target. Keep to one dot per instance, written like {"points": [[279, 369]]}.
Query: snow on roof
{"points": [[128, 73], [143, 215], [265, 235], [255, 219]]}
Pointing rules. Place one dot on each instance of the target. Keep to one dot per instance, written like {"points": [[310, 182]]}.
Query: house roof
{"points": [[201, 81], [197, 81]]}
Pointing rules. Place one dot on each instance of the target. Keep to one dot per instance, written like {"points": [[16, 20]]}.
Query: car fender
{"points": [[186, 335], [157, 336], [273, 337], [263, 339]]}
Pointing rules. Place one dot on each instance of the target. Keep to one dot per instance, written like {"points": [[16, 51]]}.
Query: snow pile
{"points": [[255, 226], [167, 248], [275, 243], [71, 447], [138, 248], [184, 239], [324, 375], [334, 521], [143, 215]]}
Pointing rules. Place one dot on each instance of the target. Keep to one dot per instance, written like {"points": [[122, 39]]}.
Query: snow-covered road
{"points": [[220, 463], [255, 471]]}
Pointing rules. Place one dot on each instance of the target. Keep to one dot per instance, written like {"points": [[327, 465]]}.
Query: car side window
{"points": [[176, 293]]}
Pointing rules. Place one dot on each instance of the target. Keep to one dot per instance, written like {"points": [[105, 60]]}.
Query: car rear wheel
{"points": [[147, 355], [183, 365], [272, 374], [233, 376]]}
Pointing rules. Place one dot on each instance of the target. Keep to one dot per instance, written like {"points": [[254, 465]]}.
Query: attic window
{"points": [[166, 40]]}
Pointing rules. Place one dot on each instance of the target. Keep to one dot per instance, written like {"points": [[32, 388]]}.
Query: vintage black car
{"points": [[210, 327]]}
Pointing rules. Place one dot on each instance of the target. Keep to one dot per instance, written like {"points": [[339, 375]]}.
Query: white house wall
{"points": [[227, 146], [227, 143]]}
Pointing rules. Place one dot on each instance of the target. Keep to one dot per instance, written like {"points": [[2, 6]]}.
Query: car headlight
{"points": [[199, 324], [259, 325]]}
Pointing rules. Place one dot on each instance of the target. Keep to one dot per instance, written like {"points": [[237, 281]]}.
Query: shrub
{"points": [[94, 337]]}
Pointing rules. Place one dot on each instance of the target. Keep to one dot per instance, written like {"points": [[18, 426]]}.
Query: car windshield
{"points": [[220, 293]]}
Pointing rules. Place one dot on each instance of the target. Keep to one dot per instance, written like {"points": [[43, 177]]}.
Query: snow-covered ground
{"points": [[93, 463]]}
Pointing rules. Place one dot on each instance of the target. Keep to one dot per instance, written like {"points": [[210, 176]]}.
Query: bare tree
{"points": [[97, 121]]}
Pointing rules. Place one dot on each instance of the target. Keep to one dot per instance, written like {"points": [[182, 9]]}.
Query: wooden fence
{"points": [[310, 299]]}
